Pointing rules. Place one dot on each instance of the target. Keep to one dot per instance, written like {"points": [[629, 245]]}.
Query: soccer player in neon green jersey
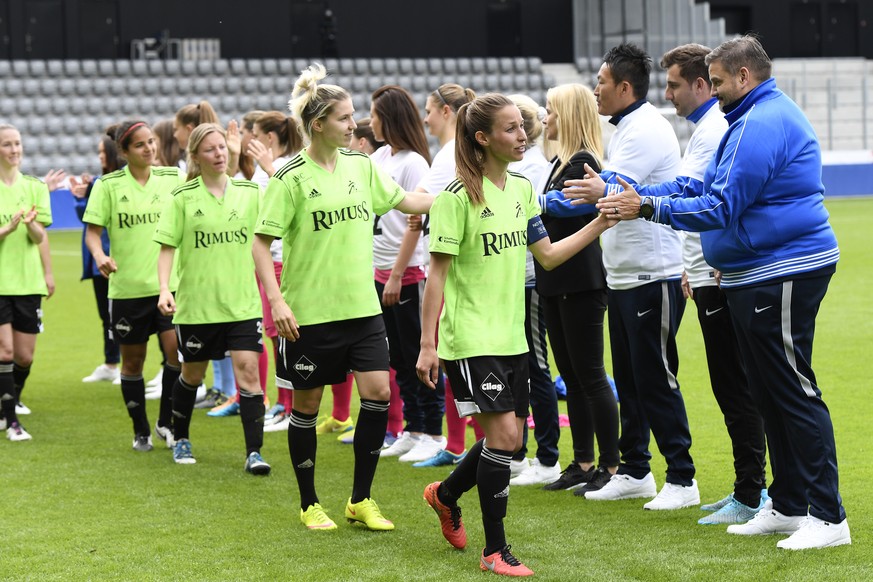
{"points": [[25, 211], [208, 226], [322, 204], [127, 203], [481, 227]]}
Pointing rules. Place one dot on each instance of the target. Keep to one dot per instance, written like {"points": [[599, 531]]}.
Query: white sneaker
{"points": [[426, 447], [401, 446], [156, 381], [766, 522], [815, 533], [516, 468], [103, 373], [117, 381], [537, 474], [21, 409], [16, 433], [154, 394], [278, 424], [674, 496], [625, 487]]}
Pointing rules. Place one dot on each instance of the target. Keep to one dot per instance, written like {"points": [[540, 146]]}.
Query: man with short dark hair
{"points": [[645, 303], [760, 210]]}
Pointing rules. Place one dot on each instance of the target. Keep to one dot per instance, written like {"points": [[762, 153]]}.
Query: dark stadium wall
{"points": [[52, 29], [811, 28], [296, 28]]}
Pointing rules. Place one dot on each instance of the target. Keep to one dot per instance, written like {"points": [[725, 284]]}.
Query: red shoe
{"points": [[450, 517], [504, 563]]}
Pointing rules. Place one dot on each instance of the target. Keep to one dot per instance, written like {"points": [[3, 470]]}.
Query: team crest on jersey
{"points": [[156, 198], [314, 194], [199, 213], [486, 213], [234, 215], [123, 327], [304, 367], [352, 187], [123, 198], [492, 386], [519, 212]]}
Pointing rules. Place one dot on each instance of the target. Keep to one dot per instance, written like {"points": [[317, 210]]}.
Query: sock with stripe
{"points": [[19, 377], [302, 445], [463, 478], [493, 482], [369, 436], [133, 392], [184, 395], [7, 393], [251, 413], [168, 381]]}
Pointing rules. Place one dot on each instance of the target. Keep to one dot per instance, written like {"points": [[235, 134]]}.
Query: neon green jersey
{"points": [[129, 213], [21, 271], [483, 313], [213, 241], [326, 222]]}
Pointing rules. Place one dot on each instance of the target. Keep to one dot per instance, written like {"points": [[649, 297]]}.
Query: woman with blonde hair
{"points": [[323, 205], [206, 228], [574, 298]]}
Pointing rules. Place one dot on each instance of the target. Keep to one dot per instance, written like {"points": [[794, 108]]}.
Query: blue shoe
{"points": [[718, 504], [182, 452], [441, 459], [276, 409], [733, 512], [256, 465], [229, 408]]}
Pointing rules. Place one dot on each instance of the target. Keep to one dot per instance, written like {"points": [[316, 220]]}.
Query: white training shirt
{"points": [[637, 252], [407, 168], [699, 152], [442, 172], [261, 178]]}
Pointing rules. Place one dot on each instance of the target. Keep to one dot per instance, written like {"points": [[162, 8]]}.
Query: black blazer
{"points": [[583, 272]]}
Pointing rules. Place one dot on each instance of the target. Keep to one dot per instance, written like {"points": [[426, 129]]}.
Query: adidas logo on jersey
{"points": [[314, 194], [198, 213], [487, 213], [124, 198]]}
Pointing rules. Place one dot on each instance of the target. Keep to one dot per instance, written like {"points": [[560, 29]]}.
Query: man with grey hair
{"points": [[760, 211]]}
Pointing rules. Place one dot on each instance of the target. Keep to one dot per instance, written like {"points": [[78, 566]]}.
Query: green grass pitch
{"points": [[79, 504]]}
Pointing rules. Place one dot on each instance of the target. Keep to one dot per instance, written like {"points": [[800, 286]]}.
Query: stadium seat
{"points": [[7, 107], [378, 66], [265, 85], [75, 105], [505, 65], [30, 87], [188, 68], [264, 102], [48, 87], [134, 86], [216, 85], [172, 68], [200, 85], [435, 66], [203, 67], [89, 68], [286, 67], [299, 65], [347, 67], [238, 67], [220, 67], [40, 105], [117, 86], [269, 67], [31, 129], [99, 86], [54, 68], [105, 68], [245, 103], [165, 107], [254, 67], [404, 66], [20, 69], [142, 68], [5, 68], [123, 68], [477, 65], [66, 87], [419, 66]]}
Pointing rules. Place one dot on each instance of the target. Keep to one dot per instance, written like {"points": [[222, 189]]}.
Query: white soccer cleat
{"points": [[426, 447], [103, 373], [537, 474]]}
